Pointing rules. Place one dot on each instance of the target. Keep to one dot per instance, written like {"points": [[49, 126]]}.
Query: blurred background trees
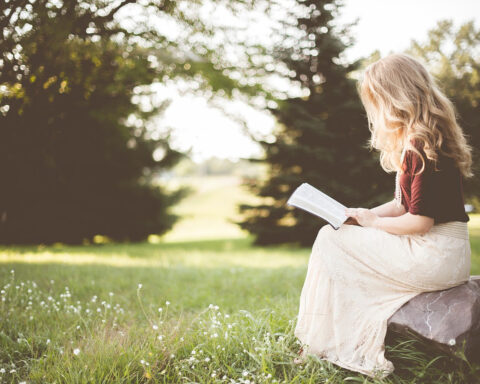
{"points": [[321, 137], [77, 153], [82, 148]]}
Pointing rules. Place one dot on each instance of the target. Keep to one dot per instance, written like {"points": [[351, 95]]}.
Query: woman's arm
{"points": [[406, 224], [389, 209]]}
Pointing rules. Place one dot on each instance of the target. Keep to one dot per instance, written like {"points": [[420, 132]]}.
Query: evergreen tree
{"points": [[321, 138]]}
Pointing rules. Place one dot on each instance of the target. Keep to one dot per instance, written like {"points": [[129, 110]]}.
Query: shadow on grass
{"points": [[416, 360]]}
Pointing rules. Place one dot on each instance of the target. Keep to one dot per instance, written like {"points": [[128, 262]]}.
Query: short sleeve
{"points": [[421, 187]]}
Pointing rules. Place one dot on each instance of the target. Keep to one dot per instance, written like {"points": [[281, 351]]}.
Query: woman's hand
{"points": [[365, 217]]}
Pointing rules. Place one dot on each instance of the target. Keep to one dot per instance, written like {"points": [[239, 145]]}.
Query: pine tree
{"points": [[321, 138]]}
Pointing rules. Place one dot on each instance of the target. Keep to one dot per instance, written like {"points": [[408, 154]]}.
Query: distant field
{"points": [[206, 212], [200, 304]]}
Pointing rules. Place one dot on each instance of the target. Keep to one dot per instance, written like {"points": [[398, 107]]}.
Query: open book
{"points": [[316, 202]]}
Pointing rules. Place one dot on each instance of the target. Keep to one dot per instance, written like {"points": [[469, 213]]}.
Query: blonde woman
{"points": [[359, 275]]}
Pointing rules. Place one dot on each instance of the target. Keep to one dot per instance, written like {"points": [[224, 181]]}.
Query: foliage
{"points": [[78, 142], [321, 137]]}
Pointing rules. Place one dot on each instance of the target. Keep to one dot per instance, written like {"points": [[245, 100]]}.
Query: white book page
{"points": [[318, 203]]}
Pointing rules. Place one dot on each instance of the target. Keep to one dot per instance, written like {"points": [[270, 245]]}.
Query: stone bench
{"points": [[448, 320]]}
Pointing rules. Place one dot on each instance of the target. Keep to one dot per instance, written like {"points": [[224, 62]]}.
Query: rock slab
{"points": [[448, 320]]}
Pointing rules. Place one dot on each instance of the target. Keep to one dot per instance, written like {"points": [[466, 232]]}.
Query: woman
{"points": [[359, 275]]}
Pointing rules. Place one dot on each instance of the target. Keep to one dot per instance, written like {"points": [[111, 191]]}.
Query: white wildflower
{"points": [[76, 351]]}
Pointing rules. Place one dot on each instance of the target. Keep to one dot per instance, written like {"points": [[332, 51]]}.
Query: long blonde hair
{"points": [[403, 102]]}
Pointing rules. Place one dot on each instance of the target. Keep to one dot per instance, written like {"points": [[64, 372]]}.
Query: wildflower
{"points": [[110, 294], [207, 359], [172, 356], [160, 337], [13, 370], [160, 309], [155, 326], [2, 370], [215, 335], [48, 341], [76, 351], [245, 373], [139, 286], [167, 303], [451, 342]]}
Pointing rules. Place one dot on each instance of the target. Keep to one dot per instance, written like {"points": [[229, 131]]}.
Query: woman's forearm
{"points": [[406, 224], [389, 209]]}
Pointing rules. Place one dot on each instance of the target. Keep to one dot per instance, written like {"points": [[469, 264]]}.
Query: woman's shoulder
{"points": [[415, 160]]}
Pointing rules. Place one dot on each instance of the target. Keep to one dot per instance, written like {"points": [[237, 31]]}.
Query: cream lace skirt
{"points": [[358, 277]]}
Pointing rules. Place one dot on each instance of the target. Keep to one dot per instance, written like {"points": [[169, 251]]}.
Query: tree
{"points": [[321, 136], [76, 150]]}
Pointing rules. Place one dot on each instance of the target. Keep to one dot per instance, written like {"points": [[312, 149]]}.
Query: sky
{"points": [[384, 25]]}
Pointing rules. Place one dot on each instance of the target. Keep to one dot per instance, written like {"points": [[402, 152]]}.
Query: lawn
{"points": [[185, 307]]}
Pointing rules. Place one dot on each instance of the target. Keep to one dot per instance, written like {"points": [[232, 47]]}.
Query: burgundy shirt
{"points": [[436, 194]]}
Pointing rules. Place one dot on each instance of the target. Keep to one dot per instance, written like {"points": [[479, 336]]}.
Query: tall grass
{"points": [[212, 311]]}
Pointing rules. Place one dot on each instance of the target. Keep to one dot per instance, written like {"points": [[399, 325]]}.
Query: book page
{"points": [[318, 203]]}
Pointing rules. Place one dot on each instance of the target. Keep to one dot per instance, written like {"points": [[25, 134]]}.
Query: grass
{"points": [[215, 310]]}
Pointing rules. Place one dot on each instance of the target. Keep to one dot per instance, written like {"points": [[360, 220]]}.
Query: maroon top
{"points": [[436, 194]]}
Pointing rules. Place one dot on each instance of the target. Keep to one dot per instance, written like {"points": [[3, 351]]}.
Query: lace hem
{"points": [[370, 370]]}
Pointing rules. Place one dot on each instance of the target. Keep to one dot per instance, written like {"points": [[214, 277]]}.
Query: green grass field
{"points": [[200, 304]]}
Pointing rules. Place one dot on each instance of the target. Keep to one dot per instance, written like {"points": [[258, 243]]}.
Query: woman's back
{"points": [[437, 194]]}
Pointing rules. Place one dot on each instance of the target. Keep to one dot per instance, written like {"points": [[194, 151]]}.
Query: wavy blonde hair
{"points": [[403, 102]]}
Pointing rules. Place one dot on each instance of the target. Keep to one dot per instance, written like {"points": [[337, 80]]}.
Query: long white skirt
{"points": [[358, 277]]}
